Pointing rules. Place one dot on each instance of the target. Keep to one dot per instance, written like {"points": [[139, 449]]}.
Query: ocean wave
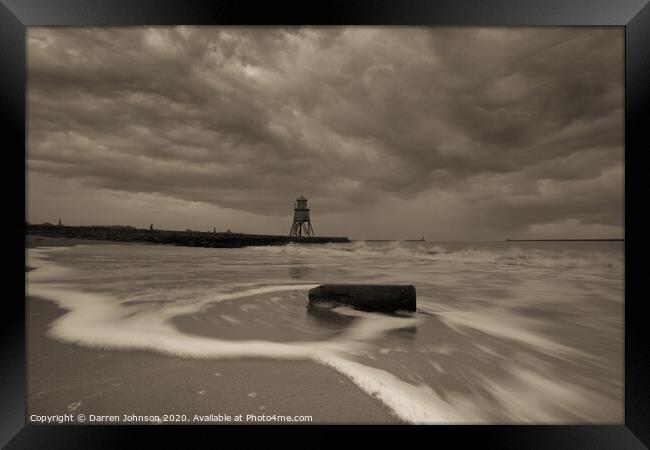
{"points": [[509, 256]]}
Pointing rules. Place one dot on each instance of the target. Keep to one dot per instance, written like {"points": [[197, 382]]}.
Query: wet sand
{"points": [[64, 378]]}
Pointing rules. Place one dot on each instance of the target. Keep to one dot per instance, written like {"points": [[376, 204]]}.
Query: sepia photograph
{"points": [[318, 225]]}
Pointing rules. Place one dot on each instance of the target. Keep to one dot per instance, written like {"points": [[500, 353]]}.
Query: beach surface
{"points": [[503, 333], [68, 379]]}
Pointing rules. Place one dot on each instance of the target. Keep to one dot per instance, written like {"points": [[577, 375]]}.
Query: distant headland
{"points": [[564, 240], [188, 238]]}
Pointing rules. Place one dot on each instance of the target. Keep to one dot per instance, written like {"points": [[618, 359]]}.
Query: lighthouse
{"points": [[301, 223]]}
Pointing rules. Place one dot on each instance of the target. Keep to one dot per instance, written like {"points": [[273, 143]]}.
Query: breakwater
{"points": [[184, 238]]}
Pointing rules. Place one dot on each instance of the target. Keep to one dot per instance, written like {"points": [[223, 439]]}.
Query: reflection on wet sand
{"points": [[328, 318], [299, 272]]}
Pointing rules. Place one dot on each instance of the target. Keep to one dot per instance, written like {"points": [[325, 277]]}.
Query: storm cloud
{"points": [[392, 132]]}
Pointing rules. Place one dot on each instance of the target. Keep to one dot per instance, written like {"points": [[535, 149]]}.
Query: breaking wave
{"points": [[396, 250]]}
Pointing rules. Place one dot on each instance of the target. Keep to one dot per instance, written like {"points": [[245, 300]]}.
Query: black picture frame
{"points": [[634, 15]]}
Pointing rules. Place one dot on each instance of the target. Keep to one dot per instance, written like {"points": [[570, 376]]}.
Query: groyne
{"points": [[169, 237]]}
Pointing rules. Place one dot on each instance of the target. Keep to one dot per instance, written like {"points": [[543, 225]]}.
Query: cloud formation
{"points": [[511, 130]]}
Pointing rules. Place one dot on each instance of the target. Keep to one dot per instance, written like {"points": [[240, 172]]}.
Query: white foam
{"points": [[413, 404], [397, 251], [47, 270], [102, 321], [528, 396], [99, 321], [500, 323], [374, 324]]}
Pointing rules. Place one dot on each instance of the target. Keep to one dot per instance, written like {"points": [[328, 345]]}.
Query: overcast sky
{"points": [[391, 133]]}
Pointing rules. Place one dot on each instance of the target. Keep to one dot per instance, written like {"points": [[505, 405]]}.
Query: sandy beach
{"points": [[69, 379], [228, 332]]}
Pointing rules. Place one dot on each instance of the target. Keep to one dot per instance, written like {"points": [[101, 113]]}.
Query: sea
{"points": [[504, 332]]}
